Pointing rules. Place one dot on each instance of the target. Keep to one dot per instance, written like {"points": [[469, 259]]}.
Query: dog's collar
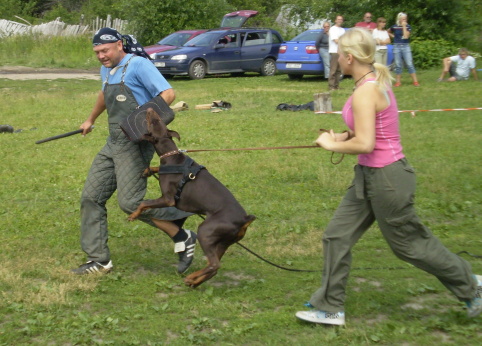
{"points": [[170, 153]]}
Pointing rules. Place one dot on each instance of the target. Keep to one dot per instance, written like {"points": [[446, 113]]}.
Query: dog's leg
{"points": [[214, 248], [208, 239], [213, 257], [244, 228], [150, 171], [161, 202]]}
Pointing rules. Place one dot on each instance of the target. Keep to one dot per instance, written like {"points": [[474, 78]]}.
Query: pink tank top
{"points": [[388, 147]]}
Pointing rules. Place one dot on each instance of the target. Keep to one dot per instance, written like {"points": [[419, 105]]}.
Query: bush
{"points": [[429, 53]]}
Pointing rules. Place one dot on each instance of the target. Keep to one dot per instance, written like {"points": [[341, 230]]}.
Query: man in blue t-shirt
{"points": [[128, 80]]}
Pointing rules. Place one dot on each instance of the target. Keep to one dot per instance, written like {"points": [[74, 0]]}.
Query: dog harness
{"points": [[188, 171]]}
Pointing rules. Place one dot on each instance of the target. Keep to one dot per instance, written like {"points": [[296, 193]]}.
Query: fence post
{"points": [[322, 102]]}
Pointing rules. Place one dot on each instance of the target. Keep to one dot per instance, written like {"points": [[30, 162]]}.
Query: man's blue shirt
{"points": [[142, 77]]}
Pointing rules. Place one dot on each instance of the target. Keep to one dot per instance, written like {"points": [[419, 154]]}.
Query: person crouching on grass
{"points": [[459, 66], [383, 190]]}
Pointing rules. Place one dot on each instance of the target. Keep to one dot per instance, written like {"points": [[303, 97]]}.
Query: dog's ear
{"points": [[172, 133]]}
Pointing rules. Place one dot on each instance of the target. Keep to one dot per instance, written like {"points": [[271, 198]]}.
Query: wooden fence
{"points": [[59, 28]]}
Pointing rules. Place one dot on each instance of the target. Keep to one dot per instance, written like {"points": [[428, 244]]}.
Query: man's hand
{"points": [[86, 127]]}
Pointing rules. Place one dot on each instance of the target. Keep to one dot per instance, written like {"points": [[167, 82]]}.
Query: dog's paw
{"points": [[147, 173], [132, 217]]}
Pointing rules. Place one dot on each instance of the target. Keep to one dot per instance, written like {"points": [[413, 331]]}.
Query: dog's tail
{"points": [[242, 231]]}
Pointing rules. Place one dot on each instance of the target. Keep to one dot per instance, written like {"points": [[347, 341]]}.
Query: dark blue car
{"points": [[299, 56], [223, 51]]}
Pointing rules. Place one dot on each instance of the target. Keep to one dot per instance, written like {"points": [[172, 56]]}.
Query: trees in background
{"points": [[456, 21], [437, 25]]}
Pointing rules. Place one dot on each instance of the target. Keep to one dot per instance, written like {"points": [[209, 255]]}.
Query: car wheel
{"points": [[295, 76], [268, 68], [197, 70]]}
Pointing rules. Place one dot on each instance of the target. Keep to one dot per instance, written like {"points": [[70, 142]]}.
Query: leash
{"points": [[468, 253], [317, 271], [357, 268], [314, 271], [265, 148], [240, 149], [274, 264]]}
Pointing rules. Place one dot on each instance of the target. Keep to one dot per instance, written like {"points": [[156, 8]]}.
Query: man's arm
{"points": [[99, 107], [168, 95], [474, 73]]}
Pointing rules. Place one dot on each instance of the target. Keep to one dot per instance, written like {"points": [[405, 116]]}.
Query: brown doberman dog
{"points": [[189, 187]]}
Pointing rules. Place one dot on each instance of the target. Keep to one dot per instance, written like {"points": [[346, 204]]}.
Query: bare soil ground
{"points": [[24, 73]]}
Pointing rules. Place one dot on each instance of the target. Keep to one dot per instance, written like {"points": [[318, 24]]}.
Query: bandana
{"points": [[129, 42], [106, 35]]}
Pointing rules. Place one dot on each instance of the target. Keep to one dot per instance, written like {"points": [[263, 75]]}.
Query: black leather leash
{"points": [[358, 268]]}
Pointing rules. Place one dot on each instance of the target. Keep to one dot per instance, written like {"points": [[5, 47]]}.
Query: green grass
{"points": [[43, 51], [293, 193]]}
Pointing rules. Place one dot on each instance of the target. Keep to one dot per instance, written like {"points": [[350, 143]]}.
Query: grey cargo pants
{"points": [[387, 196], [118, 165]]}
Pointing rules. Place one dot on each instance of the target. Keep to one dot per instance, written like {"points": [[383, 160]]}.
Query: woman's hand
{"points": [[326, 140]]}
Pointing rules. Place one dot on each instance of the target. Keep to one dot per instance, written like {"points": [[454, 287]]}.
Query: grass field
{"points": [[293, 193]]}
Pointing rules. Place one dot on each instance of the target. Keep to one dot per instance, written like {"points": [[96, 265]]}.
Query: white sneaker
{"points": [[479, 281], [474, 306], [319, 316]]}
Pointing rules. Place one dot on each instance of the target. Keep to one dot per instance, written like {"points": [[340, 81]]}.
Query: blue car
{"points": [[299, 56], [234, 50]]}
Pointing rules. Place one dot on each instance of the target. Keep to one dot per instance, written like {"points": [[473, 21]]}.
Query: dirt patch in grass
{"points": [[426, 301], [234, 279], [28, 73]]}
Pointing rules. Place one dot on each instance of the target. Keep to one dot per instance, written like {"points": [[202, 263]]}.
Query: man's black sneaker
{"points": [[92, 267], [185, 249]]}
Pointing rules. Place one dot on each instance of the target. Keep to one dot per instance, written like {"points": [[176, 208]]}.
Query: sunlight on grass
{"points": [[40, 287], [292, 192]]}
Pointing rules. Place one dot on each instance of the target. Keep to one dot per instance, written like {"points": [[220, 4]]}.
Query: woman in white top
{"points": [[382, 39]]}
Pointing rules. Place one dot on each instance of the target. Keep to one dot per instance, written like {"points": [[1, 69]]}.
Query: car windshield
{"points": [[175, 39], [203, 40], [307, 36]]}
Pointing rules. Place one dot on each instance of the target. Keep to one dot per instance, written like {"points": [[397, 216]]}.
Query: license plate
{"points": [[293, 65], [160, 64]]}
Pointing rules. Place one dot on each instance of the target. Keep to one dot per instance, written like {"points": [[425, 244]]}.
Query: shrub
{"points": [[429, 53]]}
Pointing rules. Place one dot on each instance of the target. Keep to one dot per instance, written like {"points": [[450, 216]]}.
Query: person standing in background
{"points": [[336, 31], [322, 44], [400, 33], [382, 39], [367, 23]]}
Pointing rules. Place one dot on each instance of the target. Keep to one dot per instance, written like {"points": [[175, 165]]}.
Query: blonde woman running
{"points": [[383, 191]]}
